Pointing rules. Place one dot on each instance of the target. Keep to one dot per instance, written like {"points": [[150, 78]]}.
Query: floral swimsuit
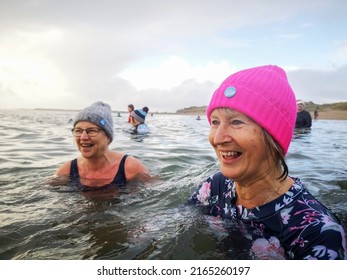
{"points": [[293, 226]]}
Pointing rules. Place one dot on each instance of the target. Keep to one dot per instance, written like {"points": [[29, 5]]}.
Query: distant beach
{"points": [[332, 115], [323, 115], [335, 111]]}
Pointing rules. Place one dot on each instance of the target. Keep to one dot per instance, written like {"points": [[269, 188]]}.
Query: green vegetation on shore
{"points": [[340, 106], [310, 106]]}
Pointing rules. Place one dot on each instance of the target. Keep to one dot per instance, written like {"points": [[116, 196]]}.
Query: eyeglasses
{"points": [[91, 131]]}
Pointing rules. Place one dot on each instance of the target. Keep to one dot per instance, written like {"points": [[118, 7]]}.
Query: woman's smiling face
{"points": [[91, 146], [239, 145]]}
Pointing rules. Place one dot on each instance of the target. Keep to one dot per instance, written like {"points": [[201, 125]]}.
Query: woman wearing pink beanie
{"points": [[252, 118]]}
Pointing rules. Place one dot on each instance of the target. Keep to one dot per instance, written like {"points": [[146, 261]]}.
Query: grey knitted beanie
{"points": [[100, 114]]}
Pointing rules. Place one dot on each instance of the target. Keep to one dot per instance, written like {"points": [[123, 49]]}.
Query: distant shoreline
{"points": [[322, 115], [333, 111], [331, 115], [326, 114]]}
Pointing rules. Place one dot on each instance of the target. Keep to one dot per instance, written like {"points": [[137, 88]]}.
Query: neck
{"points": [[261, 192], [98, 162]]}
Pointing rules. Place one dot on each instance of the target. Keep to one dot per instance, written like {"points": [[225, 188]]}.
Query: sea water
{"points": [[140, 221]]}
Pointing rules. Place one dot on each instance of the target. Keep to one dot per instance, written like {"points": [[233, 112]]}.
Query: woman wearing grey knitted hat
{"points": [[97, 165]]}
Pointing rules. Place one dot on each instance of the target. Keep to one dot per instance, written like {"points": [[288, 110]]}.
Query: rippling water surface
{"points": [[150, 221]]}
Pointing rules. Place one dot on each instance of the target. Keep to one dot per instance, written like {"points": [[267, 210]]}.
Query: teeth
{"points": [[86, 145], [228, 154]]}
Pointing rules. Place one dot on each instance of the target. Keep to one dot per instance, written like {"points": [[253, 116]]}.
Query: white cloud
{"points": [[339, 56], [173, 71], [54, 54], [29, 76], [320, 86]]}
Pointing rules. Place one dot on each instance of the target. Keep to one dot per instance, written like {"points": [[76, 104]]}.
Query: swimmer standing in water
{"points": [[138, 121]]}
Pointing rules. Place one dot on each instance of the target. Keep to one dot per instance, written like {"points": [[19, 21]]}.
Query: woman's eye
{"points": [[214, 122], [236, 122]]}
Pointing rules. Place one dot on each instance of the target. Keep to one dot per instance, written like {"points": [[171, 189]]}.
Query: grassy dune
{"points": [[333, 111]]}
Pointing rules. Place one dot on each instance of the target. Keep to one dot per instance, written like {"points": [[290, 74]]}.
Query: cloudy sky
{"points": [[166, 55]]}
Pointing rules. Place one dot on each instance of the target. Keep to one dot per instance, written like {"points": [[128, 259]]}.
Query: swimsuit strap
{"points": [[119, 179], [74, 169]]}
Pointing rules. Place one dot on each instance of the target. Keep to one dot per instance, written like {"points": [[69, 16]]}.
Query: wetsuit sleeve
{"points": [[202, 194], [313, 232], [210, 194], [323, 244]]}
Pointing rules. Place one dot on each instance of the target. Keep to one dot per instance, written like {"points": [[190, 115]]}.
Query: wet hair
{"points": [[276, 154]]}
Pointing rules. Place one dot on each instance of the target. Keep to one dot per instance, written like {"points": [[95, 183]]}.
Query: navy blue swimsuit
{"points": [[119, 179]]}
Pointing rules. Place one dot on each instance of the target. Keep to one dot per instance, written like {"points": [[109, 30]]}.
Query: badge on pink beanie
{"points": [[230, 92]]}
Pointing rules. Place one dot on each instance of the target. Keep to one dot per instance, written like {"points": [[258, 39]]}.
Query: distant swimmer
{"points": [[303, 117], [138, 121], [316, 113], [130, 109]]}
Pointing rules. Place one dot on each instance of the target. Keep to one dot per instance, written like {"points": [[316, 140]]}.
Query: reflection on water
{"points": [[139, 221]]}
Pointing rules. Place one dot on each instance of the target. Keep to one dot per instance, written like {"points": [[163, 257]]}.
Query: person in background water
{"points": [[97, 165], [252, 117], [303, 118], [316, 114], [130, 110], [138, 121]]}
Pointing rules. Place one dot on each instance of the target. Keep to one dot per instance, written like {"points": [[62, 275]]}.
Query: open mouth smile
{"points": [[229, 155], [86, 145]]}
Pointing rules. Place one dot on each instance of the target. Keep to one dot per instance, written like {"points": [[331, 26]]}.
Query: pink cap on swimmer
{"points": [[263, 93]]}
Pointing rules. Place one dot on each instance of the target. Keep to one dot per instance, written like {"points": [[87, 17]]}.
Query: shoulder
{"points": [[307, 112], [319, 234], [218, 181], [134, 168], [64, 169], [214, 185], [132, 162]]}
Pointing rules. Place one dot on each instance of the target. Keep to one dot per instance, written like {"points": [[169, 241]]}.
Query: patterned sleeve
{"points": [[326, 245], [319, 235], [202, 194], [210, 194]]}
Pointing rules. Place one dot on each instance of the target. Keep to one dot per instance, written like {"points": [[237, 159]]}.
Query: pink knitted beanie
{"points": [[264, 94]]}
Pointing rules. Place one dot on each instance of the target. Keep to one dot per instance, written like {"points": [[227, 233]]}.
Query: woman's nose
{"points": [[84, 135], [222, 135]]}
